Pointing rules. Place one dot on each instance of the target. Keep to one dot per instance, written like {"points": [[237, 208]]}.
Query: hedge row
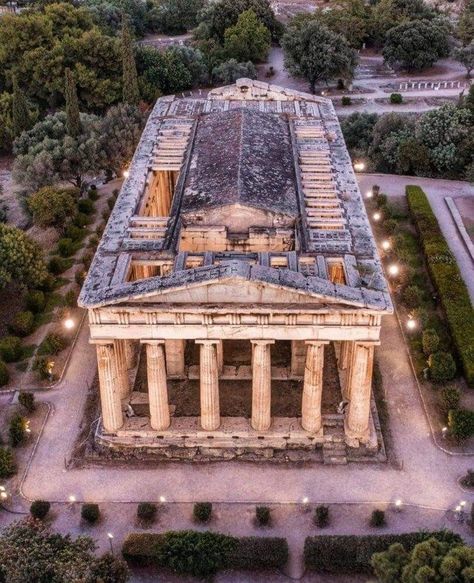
{"points": [[204, 553], [350, 553], [446, 278]]}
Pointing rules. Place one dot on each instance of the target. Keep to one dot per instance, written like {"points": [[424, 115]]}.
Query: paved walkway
{"points": [[436, 191]]}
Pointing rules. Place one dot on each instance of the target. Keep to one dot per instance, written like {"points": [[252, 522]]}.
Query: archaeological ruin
{"points": [[236, 297]]}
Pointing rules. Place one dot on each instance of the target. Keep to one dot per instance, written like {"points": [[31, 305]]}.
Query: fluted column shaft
{"points": [[261, 385], [220, 356], [122, 369], [209, 385], [112, 417], [359, 391], [298, 358], [157, 387], [313, 387], [130, 353]]}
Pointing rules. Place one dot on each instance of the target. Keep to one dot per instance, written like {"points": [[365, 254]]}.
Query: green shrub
{"points": [[90, 513], [39, 509], [57, 265], [17, 430], [450, 397], [430, 341], [93, 241], [111, 202], [81, 220], [23, 323], [258, 553], [346, 100], [321, 516], [10, 348], [35, 301], [442, 367], [52, 206], [382, 201], [446, 278], [52, 344], [87, 259], [396, 98], [41, 366], [352, 554], [80, 276], [7, 463], [390, 226], [105, 214], [461, 423], [86, 206], [93, 194], [66, 247], [146, 511], [412, 296], [27, 400], [262, 515], [377, 518], [4, 374], [468, 480], [70, 299], [74, 233], [202, 511]]}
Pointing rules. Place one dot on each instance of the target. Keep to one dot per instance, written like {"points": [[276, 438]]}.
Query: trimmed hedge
{"points": [[204, 553], [446, 278], [352, 554]]}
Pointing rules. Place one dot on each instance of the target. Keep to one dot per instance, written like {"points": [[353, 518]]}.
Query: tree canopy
{"points": [[248, 39], [52, 206], [21, 259], [175, 16]]}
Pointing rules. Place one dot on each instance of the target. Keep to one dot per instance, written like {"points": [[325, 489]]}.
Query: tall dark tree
{"points": [[131, 94], [20, 113], [73, 121]]}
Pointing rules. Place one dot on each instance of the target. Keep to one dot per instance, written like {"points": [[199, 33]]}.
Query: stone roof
{"points": [[242, 157]]}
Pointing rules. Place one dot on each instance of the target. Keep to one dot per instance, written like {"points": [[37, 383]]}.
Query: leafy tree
{"points": [[20, 113], [29, 551], [431, 560], [248, 39], [315, 53], [7, 461], [465, 29], [51, 206], [21, 259], [358, 130], [175, 16], [108, 14], [131, 94], [6, 121], [387, 14], [416, 45], [465, 55], [46, 154], [73, 120], [229, 71]]}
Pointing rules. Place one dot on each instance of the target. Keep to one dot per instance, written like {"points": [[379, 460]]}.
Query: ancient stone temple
{"points": [[236, 297]]}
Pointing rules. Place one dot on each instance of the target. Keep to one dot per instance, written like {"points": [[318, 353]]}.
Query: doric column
{"points": [[157, 388], [175, 357], [313, 387], [261, 385], [122, 369], [209, 385], [356, 423], [345, 354], [220, 355], [298, 357], [130, 353], [112, 418]]}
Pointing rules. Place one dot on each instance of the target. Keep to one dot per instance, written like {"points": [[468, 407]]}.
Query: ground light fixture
{"points": [[359, 166], [72, 498], [386, 245], [393, 270], [162, 499], [377, 216], [69, 323], [369, 194], [126, 173], [444, 431], [3, 493], [110, 536], [412, 324], [305, 500], [398, 504]]}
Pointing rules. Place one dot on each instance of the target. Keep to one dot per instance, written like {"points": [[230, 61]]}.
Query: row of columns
{"points": [[163, 359]]}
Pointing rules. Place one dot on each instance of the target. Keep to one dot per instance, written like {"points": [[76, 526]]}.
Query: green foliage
{"points": [[39, 509], [30, 551], [35, 301], [248, 39], [130, 92], [465, 55], [446, 278], [66, 247], [377, 518], [42, 368], [86, 206], [358, 129], [229, 71], [175, 16], [4, 374], [23, 323], [70, 299], [10, 348], [412, 296], [346, 100], [146, 511], [75, 233], [396, 98], [73, 120], [20, 111], [202, 511], [461, 423], [430, 560], [430, 341], [52, 344], [51, 206], [450, 397], [353, 554], [7, 463], [204, 553], [441, 366], [57, 265], [21, 259], [315, 53], [27, 400], [90, 513], [262, 515], [17, 430], [81, 220], [465, 28], [321, 516]]}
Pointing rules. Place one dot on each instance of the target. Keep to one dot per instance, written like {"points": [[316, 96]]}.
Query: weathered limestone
{"points": [[298, 358], [356, 423], [122, 368], [313, 387], [345, 354], [261, 384], [157, 388], [209, 385], [130, 353], [112, 418], [175, 357], [220, 355]]}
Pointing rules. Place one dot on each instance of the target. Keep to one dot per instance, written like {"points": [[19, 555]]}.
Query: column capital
{"points": [[101, 341], [262, 342], [151, 341], [316, 342], [207, 341]]}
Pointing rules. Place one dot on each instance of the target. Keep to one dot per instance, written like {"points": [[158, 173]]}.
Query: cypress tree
{"points": [[130, 93], [20, 113], [73, 122]]}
